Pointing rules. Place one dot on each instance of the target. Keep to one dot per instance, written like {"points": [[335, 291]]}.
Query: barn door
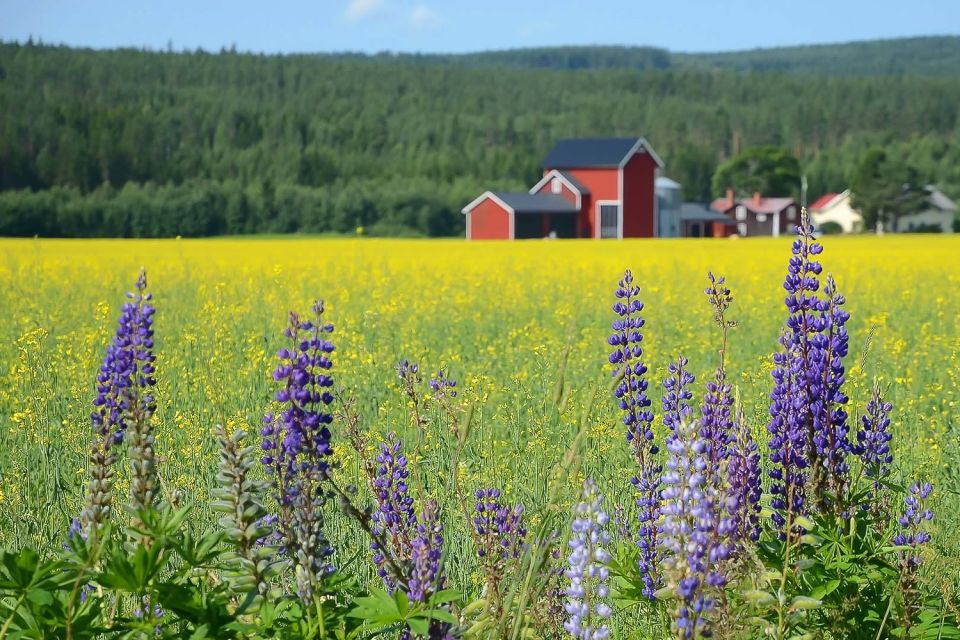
{"points": [[609, 219]]}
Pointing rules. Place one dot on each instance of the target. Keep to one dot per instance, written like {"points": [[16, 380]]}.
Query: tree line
{"points": [[139, 143]]}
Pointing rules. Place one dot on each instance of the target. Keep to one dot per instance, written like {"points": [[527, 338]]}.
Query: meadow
{"points": [[521, 326]]}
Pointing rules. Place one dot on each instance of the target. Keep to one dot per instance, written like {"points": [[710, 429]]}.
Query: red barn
{"points": [[591, 188]]}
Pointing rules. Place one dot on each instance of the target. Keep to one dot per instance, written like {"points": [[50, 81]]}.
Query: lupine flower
{"points": [[911, 522], [499, 529], [744, 479], [830, 437], [716, 423], [588, 592], [798, 379], [873, 438], [631, 395], [676, 400], [695, 533], [154, 613], [394, 521], [426, 552], [296, 447], [123, 395], [443, 386]]}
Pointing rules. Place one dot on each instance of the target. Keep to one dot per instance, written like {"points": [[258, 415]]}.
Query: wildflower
{"points": [[296, 447], [913, 536], [631, 395], [426, 552], [499, 529], [676, 407], [798, 377], [443, 386], [694, 533], [873, 438], [588, 573], [123, 397], [744, 478], [394, 521]]}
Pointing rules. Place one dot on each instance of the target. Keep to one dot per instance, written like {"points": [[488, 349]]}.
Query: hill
{"points": [[130, 142]]}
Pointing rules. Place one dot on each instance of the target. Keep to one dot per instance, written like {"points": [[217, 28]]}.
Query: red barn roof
{"points": [[823, 201]]}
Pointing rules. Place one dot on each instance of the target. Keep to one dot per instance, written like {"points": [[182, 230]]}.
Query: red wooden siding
{"points": [[603, 184], [565, 192], [639, 196], [488, 221]]}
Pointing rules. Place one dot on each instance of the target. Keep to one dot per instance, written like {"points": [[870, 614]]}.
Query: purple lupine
{"points": [[912, 533], [296, 446], [631, 395], [798, 381], [443, 385], [500, 531], [426, 553], [694, 536], [588, 592], [123, 392], [394, 521], [831, 433], [744, 479], [873, 438], [716, 423], [677, 396]]}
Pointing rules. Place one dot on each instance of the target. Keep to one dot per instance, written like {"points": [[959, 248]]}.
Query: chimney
{"points": [[730, 196], [756, 198]]}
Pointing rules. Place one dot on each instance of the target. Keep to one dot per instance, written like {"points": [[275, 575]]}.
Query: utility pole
{"points": [[803, 191]]}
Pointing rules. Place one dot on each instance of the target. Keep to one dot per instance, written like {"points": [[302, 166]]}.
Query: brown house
{"points": [[758, 216]]}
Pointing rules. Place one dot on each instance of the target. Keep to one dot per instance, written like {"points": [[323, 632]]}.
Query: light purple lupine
{"points": [[631, 396], [443, 386], [587, 596], [500, 533], [744, 480], [394, 521], [296, 447], [426, 552], [873, 439], [912, 534], [677, 395]]}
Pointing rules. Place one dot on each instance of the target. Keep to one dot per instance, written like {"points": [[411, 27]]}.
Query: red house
{"points": [[758, 216], [591, 188]]}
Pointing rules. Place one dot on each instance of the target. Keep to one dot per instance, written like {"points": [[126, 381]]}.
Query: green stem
{"points": [[13, 612]]}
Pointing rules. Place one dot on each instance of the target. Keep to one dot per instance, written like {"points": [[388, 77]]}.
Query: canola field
{"points": [[522, 326]]}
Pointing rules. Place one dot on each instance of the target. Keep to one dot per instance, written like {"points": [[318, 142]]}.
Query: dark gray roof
{"points": [[576, 183], [523, 202], [701, 212], [589, 152]]}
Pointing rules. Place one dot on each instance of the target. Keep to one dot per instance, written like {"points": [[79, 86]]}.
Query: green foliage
{"points": [[770, 171], [831, 228], [134, 143], [885, 188]]}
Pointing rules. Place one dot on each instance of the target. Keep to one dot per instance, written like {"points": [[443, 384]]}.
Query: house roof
{"points": [[823, 201], [701, 212], [939, 200], [596, 152], [754, 205], [565, 176], [523, 202], [663, 182], [579, 186]]}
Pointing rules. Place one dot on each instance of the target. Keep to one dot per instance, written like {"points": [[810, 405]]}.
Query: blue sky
{"points": [[457, 26]]}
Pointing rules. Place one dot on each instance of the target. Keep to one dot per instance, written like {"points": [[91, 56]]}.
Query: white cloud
{"points": [[424, 16], [358, 9]]}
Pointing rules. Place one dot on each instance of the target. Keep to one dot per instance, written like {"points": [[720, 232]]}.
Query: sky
{"points": [[454, 26]]}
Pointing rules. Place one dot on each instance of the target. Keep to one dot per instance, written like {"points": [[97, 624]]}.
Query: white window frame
{"points": [[741, 212], [791, 213], [556, 186], [761, 217], [742, 229], [598, 225]]}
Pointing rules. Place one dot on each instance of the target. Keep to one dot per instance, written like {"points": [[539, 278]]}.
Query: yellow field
{"points": [[498, 315]]}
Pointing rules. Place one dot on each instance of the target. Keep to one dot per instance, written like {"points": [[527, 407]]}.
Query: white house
{"points": [[940, 212], [836, 207]]}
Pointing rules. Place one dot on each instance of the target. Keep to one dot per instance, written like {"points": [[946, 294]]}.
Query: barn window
{"points": [[741, 212], [609, 219], [761, 217], [791, 213], [742, 229], [556, 186]]}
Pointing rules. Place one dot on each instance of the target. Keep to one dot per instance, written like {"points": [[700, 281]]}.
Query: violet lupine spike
{"points": [[588, 593], [912, 533], [691, 532], [873, 438], [123, 390], [443, 385], [394, 520], [500, 531], [798, 381], [744, 479], [677, 396], [716, 423], [631, 395], [831, 433], [426, 553], [296, 447]]}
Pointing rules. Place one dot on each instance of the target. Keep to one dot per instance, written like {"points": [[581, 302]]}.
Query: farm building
{"points": [[937, 215], [836, 207], [678, 219], [758, 216], [591, 188]]}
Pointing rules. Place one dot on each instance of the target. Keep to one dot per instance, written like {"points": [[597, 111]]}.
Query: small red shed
{"points": [[591, 188]]}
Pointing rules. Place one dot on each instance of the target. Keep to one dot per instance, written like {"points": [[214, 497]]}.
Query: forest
{"points": [[148, 143]]}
